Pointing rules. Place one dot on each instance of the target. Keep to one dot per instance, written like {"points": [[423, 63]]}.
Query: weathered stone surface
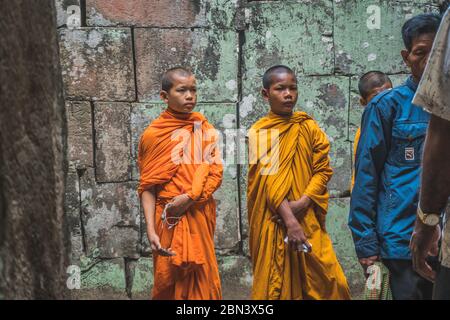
{"points": [[80, 151], [97, 64], [144, 13], [326, 99], [221, 13], [110, 213], [63, 14], [361, 44], [227, 222], [141, 117], [72, 211], [245, 246], [145, 249], [104, 280], [339, 231], [296, 34], [112, 141], [34, 248], [72, 198], [210, 53], [341, 163], [236, 277], [244, 212], [142, 279]]}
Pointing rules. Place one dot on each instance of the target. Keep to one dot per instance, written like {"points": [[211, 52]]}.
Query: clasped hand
{"points": [[179, 205], [298, 208]]}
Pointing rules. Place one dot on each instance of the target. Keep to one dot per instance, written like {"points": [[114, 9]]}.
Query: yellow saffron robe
{"points": [[278, 271], [355, 147]]}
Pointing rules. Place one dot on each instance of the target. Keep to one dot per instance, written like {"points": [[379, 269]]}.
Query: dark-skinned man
{"points": [[388, 166], [434, 95]]}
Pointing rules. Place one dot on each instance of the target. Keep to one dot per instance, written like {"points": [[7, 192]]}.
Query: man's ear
{"points": [[405, 55], [362, 101], [164, 96], [265, 93]]}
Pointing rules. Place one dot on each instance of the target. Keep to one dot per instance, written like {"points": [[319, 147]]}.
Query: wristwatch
{"points": [[430, 219]]}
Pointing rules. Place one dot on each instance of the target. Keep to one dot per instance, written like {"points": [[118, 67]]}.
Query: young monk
{"points": [[370, 84], [288, 200], [180, 169]]}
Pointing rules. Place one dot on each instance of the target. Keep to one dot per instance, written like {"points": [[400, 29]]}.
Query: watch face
{"points": [[432, 220]]}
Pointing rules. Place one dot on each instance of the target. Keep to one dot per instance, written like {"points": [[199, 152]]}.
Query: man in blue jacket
{"points": [[387, 171]]}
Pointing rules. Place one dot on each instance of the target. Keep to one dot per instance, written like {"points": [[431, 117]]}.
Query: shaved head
{"points": [[370, 81], [168, 76], [273, 71]]}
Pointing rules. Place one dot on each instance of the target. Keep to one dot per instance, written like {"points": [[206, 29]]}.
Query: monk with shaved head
{"points": [[287, 200], [180, 168]]}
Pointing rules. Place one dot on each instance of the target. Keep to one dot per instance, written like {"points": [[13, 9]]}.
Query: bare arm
{"points": [[149, 204], [296, 235], [435, 190], [436, 166], [285, 212]]}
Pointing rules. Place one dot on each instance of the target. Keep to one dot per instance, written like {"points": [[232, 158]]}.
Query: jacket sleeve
{"points": [[371, 154]]}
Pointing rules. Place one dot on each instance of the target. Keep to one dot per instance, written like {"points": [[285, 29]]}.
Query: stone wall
{"points": [[112, 66]]}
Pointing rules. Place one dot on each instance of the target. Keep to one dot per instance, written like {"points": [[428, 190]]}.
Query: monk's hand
{"points": [[367, 262], [277, 219], [424, 243], [154, 240], [156, 245], [300, 206], [179, 205], [296, 236]]}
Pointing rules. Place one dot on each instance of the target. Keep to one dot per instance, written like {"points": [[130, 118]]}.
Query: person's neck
{"points": [[286, 115], [177, 114]]}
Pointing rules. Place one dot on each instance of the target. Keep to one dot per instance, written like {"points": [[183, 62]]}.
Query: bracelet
{"points": [[165, 219]]}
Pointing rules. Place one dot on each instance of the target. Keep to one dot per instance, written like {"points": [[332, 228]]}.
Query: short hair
{"points": [[167, 78], [444, 6], [268, 75], [371, 80], [421, 24]]}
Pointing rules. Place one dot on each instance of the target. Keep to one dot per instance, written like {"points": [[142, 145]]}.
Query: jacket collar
{"points": [[411, 84]]}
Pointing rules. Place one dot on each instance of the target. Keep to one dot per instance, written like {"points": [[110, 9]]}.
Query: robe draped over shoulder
{"points": [[298, 164], [178, 154]]}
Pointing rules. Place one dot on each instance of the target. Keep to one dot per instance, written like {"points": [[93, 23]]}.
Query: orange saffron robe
{"points": [[193, 272], [303, 169]]}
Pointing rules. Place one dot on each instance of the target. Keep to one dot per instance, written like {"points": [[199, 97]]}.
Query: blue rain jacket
{"points": [[387, 174]]}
